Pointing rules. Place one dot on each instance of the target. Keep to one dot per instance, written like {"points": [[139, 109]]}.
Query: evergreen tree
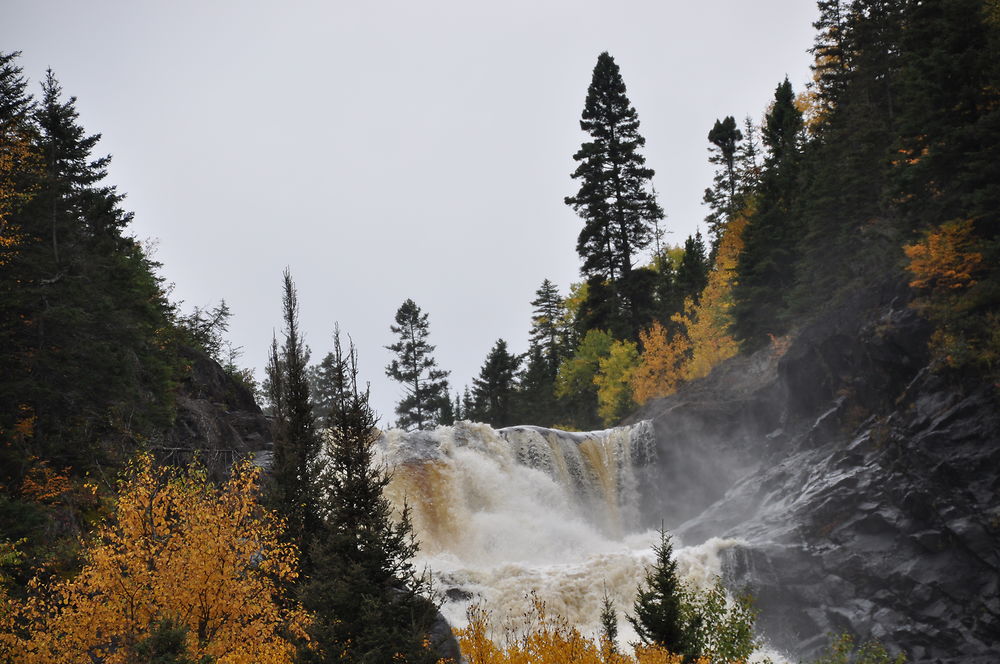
{"points": [[748, 163], [88, 347], [296, 463], [548, 332], [766, 265], [535, 401], [609, 625], [468, 405], [856, 85], [722, 196], [368, 602], [659, 606], [692, 274], [326, 384], [493, 391], [447, 415], [425, 387], [615, 198]]}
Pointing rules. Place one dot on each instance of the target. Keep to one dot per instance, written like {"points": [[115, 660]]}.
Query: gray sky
{"points": [[391, 150]]}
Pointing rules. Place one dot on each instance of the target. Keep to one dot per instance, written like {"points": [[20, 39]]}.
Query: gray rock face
{"points": [[865, 486], [216, 415]]}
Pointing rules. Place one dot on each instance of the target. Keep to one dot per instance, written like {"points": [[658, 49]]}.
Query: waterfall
{"points": [[499, 513]]}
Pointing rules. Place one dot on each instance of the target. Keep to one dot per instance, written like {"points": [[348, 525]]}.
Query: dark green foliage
{"points": [[600, 309], [660, 617], [86, 330], [425, 386], [949, 114], [493, 390], [165, 645], [205, 328], [548, 329], [766, 264], [638, 289], [535, 401], [609, 621], [368, 602], [468, 406], [667, 293], [615, 199], [326, 385], [692, 273], [296, 441], [722, 197], [844, 208], [749, 165], [948, 167]]}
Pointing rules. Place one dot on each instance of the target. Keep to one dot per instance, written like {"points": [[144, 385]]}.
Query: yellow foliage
{"points": [[208, 558], [944, 259], [543, 639], [614, 381], [702, 339], [707, 324], [661, 366]]}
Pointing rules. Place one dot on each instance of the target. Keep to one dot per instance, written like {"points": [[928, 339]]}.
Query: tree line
{"points": [[885, 168]]}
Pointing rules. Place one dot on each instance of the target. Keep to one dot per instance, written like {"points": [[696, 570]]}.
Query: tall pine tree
{"points": [[425, 386], [296, 461], [493, 390], [615, 199], [368, 603], [660, 616], [767, 263], [88, 348], [722, 197]]}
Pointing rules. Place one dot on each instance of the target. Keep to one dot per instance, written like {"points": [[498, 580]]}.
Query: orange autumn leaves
{"points": [[958, 294], [544, 639], [701, 339], [945, 259], [209, 559]]}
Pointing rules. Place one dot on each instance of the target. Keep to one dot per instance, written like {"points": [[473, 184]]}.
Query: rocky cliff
{"points": [[864, 484], [217, 417]]}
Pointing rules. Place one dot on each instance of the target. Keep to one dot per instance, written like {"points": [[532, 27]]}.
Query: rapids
{"points": [[500, 513]]}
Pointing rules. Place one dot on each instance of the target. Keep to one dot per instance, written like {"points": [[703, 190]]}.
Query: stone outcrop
{"points": [[864, 485], [217, 417]]}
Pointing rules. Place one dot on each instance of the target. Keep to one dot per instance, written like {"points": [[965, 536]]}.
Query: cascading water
{"points": [[500, 513]]}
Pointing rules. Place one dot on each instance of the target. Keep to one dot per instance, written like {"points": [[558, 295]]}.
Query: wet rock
{"points": [[863, 485]]}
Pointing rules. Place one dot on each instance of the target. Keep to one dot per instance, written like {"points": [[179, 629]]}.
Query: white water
{"points": [[502, 513]]}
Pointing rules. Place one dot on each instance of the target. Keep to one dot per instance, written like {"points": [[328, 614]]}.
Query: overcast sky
{"points": [[389, 150]]}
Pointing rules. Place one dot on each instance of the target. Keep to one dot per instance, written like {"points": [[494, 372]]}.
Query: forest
{"points": [[886, 167]]}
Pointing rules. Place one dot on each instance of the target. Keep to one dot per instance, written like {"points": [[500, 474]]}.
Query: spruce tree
{"points": [[296, 461], [326, 384], [548, 332], [766, 265], [425, 386], [369, 604], [615, 198], [692, 273], [493, 390], [609, 622], [659, 609], [722, 197], [535, 401], [88, 343]]}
